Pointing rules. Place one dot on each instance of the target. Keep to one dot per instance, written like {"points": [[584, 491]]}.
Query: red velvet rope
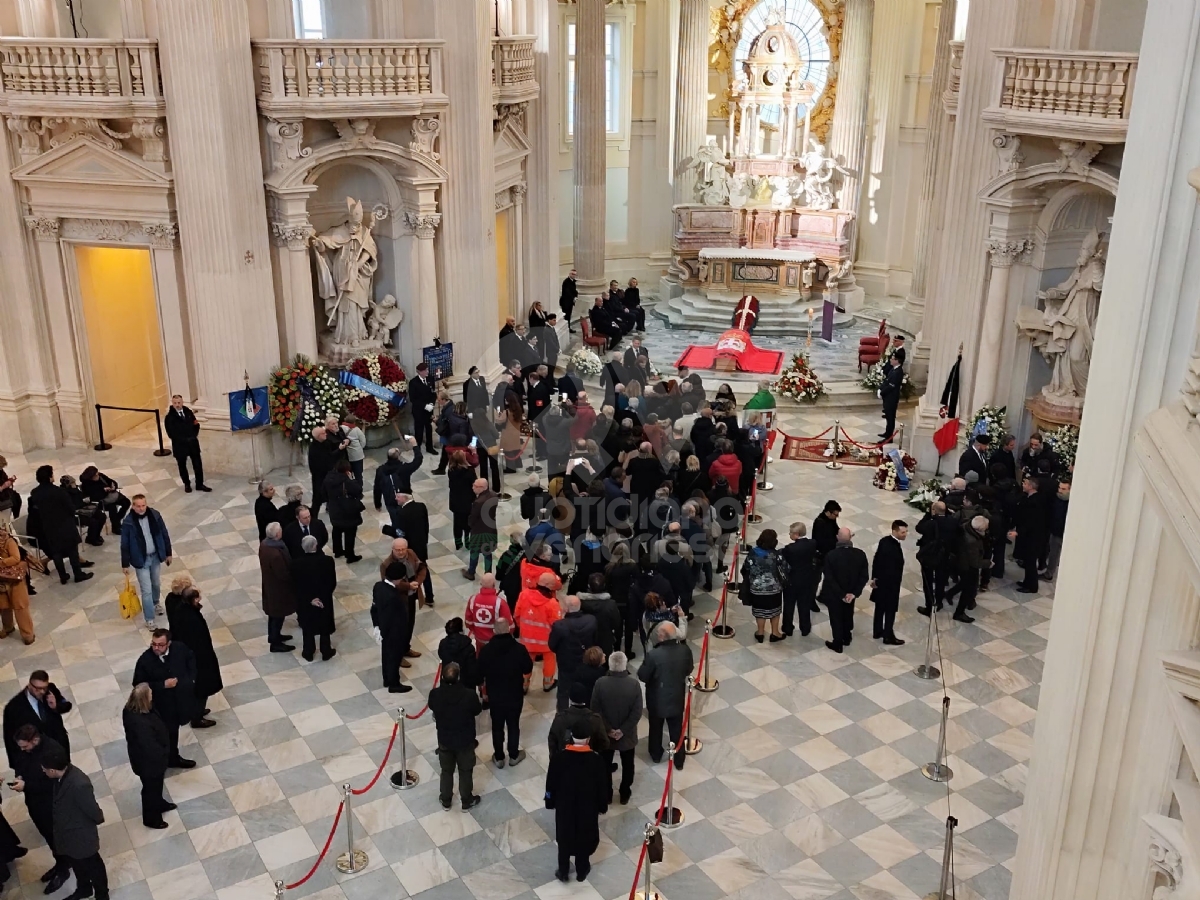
{"points": [[329, 840]]}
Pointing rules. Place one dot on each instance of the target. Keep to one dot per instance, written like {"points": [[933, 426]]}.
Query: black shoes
{"points": [[625, 795], [402, 689], [325, 657], [759, 637], [187, 488], [204, 487], [776, 638], [83, 576], [471, 802], [159, 824], [893, 641], [561, 875], [58, 877], [282, 648], [836, 648], [180, 763], [963, 617], [352, 559], [203, 723]]}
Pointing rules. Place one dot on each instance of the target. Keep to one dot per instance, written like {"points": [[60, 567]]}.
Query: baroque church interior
{"points": [[979, 214]]}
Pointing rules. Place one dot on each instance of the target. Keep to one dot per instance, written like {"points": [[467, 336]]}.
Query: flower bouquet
{"points": [[885, 475], [381, 370], [924, 495], [798, 381], [1064, 441], [990, 419], [301, 395], [586, 363], [873, 381]]}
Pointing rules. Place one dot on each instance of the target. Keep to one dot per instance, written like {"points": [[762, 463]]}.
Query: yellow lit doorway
{"points": [[503, 276], [124, 338]]}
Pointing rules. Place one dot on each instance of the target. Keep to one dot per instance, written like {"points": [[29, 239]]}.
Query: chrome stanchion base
{"points": [[724, 632], [939, 772], [641, 895], [709, 688], [753, 519], [505, 495], [676, 818], [929, 673], [350, 863], [766, 486], [534, 468], [693, 746], [403, 781], [833, 465]]}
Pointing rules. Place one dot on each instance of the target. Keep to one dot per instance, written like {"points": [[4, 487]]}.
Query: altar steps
{"points": [[788, 317]]}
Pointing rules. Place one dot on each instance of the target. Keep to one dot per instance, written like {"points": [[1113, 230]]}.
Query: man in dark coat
{"points": [[612, 374], [889, 393], [170, 670], [664, 671], [394, 477], [824, 536], [887, 569], [534, 499], [504, 663], [475, 391], [1004, 456], [569, 637], [412, 524], [577, 720], [38, 791], [77, 819], [602, 323], [57, 526], [617, 699], [41, 704], [183, 430], [567, 297], [323, 454], [538, 396], [800, 589], [454, 707], [149, 748], [303, 525], [421, 394], [278, 592], [315, 578], [971, 557], [570, 383], [934, 549], [598, 602], [974, 459], [578, 789], [1031, 533], [188, 627], [844, 576], [389, 613]]}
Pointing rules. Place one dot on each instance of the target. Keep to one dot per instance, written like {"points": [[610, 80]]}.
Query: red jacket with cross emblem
{"points": [[482, 611]]}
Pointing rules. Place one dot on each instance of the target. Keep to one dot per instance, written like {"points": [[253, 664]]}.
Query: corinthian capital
{"points": [[1005, 253], [423, 225], [43, 228], [292, 236]]}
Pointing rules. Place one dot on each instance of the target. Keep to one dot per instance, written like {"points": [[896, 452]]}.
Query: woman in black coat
{"points": [[461, 478], [265, 510], [316, 580], [57, 529], [189, 627], [344, 499], [149, 748], [578, 789]]}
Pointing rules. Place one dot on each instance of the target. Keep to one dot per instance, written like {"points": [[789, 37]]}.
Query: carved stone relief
{"points": [[423, 225], [44, 229], [507, 113], [292, 236], [1005, 253], [1008, 147], [29, 130], [1077, 156], [425, 134], [356, 132], [286, 138]]}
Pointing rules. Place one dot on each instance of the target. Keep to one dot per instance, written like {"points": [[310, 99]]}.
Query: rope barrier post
{"points": [[709, 684], [752, 516], [404, 777], [947, 890], [938, 770], [162, 450], [691, 745], [647, 836], [731, 575], [765, 485], [724, 631], [837, 445], [100, 428], [352, 861], [928, 670], [533, 466], [279, 888], [670, 816]]}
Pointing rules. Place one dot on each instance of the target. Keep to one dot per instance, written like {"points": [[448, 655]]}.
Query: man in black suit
{"points": [[41, 704], [538, 396], [170, 670], [503, 387], [421, 395], [551, 347], [1030, 532], [633, 351], [844, 577], [889, 393], [974, 459], [38, 791], [1005, 457], [412, 524], [475, 391], [603, 323], [611, 375], [301, 527], [567, 297], [896, 355], [389, 613], [801, 586], [887, 569], [934, 549], [184, 432], [570, 383]]}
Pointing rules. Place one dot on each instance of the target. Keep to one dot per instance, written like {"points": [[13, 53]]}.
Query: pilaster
{"points": [[590, 148], [848, 138], [541, 166], [691, 93], [1003, 254]]}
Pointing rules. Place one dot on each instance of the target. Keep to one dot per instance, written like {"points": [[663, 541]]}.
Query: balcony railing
{"points": [[101, 77], [1077, 94], [953, 78], [513, 79], [336, 79]]}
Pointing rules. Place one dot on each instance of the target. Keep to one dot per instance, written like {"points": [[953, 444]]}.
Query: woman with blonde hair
{"points": [[149, 748], [14, 594]]}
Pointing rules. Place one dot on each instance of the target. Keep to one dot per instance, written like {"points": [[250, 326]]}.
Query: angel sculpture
{"points": [[819, 172], [741, 189], [781, 197], [384, 318], [712, 173]]}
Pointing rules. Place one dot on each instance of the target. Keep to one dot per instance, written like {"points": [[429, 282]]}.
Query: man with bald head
{"points": [[845, 573], [411, 521], [664, 672], [412, 573], [937, 531], [570, 636], [482, 528]]}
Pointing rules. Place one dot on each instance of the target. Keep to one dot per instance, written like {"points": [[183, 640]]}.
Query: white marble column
{"points": [[932, 195], [591, 148], [290, 233], [1106, 750], [518, 195], [41, 18], [212, 123], [417, 269], [1003, 255], [691, 93], [953, 307], [848, 137], [169, 292], [541, 166]]}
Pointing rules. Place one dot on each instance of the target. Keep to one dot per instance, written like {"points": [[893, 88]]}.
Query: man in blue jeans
{"points": [[145, 546]]}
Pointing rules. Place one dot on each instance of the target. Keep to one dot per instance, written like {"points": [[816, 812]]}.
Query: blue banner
{"points": [[440, 360], [897, 458], [248, 409], [378, 391]]}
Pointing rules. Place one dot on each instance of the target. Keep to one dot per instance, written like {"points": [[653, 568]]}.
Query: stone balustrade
{"points": [[80, 76], [337, 79], [953, 78], [513, 79], [1073, 94]]}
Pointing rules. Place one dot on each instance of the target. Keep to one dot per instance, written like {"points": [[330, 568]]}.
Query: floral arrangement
{"points": [[994, 419], [924, 495], [874, 378], [586, 363], [798, 381], [885, 475], [301, 395], [1064, 441], [381, 370]]}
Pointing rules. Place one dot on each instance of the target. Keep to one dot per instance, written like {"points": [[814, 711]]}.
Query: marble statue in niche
{"points": [[346, 261]]}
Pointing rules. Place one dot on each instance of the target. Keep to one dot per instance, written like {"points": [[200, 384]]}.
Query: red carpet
{"points": [[734, 345]]}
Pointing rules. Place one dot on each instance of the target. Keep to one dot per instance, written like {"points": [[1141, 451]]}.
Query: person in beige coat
{"points": [[14, 596]]}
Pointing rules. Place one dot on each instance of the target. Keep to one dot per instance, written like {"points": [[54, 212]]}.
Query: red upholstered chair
{"points": [[871, 349], [589, 339]]}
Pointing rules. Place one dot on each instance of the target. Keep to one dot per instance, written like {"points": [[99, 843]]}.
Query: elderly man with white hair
{"points": [[664, 671], [845, 574], [323, 454], [570, 636], [278, 589], [617, 698]]}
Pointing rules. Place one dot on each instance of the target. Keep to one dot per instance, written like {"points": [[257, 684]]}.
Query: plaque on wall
{"points": [[718, 273], [793, 276], [755, 272]]}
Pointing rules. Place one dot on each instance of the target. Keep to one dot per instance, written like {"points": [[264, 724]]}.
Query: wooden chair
{"points": [[589, 339], [872, 349]]}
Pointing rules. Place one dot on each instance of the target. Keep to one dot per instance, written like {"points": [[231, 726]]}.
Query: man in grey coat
{"points": [[77, 818], [617, 698], [664, 671]]}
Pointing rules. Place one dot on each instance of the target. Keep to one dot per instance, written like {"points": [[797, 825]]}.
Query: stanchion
{"points": [[647, 836], [731, 574], [765, 485], [709, 684], [352, 861], [669, 816], [404, 777], [837, 445], [691, 745], [928, 670], [938, 770], [724, 631], [533, 466], [279, 889], [947, 890]]}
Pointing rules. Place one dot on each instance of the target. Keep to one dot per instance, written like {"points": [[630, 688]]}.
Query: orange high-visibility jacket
{"points": [[531, 571], [536, 613]]}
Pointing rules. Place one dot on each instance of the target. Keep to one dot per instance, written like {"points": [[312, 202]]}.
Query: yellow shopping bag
{"points": [[128, 598]]}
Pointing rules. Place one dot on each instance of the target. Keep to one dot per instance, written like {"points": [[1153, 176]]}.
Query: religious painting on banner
{"points": [[248, 408], [440, 359]]}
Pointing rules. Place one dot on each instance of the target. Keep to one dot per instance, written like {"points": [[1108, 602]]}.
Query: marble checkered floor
{"points": [[808, 786]]}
